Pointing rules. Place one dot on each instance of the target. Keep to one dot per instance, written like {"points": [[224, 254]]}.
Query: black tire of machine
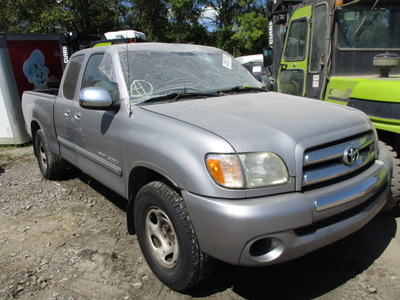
{"points": [[394, 197]]}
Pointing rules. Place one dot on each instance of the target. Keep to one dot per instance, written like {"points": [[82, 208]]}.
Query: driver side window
{"points": [[296, 41], [291, 79], [94, 76]]}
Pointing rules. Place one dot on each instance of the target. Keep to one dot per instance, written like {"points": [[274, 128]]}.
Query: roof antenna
{"points": [[127, 62]]}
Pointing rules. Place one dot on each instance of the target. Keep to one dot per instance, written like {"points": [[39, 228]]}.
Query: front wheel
{"points": [[167, 238], [51, 165]]}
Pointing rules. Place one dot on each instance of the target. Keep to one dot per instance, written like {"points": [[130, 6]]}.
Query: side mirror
{"points": [[95, 97], [268, 57]]}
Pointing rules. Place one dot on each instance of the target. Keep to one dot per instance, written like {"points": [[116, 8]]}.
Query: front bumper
{"points": [[273, 229]]}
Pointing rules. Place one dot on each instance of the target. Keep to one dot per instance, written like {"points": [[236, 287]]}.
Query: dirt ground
{"points": [[68, 240]]}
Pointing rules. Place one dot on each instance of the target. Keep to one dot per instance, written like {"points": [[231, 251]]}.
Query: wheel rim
{"points": [[42, 156], [161, 237]]}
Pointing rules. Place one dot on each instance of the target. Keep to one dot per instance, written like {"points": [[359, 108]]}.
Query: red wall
{"points": [[21, 50]]}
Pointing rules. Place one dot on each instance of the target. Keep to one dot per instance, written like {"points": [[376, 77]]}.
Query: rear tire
{"points": [[394, 197], [167, 238], [51, 165]]}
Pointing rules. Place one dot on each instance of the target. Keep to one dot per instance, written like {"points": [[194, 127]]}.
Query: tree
{"points": [[251, 34], [91, 16], [50, 16], [184, 16], [226, 12], [150, 17], [241, 25], [24, 16]]}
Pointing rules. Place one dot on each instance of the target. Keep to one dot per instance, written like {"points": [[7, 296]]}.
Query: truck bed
{"points": [[38, 106]]}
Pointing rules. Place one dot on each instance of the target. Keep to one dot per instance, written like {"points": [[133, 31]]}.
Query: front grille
{"points": [[379, 109], [339, 217], [329, 163]]}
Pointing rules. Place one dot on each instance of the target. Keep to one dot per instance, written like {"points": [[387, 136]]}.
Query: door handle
{"points": [[77, 116]]}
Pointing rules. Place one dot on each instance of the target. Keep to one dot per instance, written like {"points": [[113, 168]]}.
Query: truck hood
{"points": [[267, 121]]}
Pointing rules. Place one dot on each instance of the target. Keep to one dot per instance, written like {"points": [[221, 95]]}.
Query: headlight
{"points": [[247, 170], [264, 169]]}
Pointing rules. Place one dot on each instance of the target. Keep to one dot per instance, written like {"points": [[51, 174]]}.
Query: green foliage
{"points": [[184, 22], [150, 17], [23, 16], [11, 154], [251, 34], [239, 26]]}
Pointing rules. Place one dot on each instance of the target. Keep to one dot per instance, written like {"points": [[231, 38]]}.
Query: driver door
{"points": [[293, 67], [98, 132]]}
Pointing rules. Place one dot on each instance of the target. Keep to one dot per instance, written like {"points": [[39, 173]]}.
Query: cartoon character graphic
{"points": [[35, 70]]}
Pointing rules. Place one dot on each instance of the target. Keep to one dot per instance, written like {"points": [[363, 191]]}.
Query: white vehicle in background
{"points": [[255, 65]]}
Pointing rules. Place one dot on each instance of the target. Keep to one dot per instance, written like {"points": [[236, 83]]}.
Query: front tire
{"points": [[51, 165], [167, 238]]}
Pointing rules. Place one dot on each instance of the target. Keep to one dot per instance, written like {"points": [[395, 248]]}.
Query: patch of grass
{"points": [[11, 154], [7, 147]]}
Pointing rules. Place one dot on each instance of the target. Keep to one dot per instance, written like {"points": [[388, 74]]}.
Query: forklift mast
{"points": [[278, 14], [73, 41]]}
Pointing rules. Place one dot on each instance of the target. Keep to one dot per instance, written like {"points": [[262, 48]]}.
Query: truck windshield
{"points": [[362, 27], [151, 74]]}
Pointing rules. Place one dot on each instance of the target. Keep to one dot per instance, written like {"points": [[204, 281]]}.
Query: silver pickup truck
{"points": [[213, 166]]}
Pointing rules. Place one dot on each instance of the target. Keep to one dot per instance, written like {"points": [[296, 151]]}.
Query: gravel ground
{"points": [[68, 240]]}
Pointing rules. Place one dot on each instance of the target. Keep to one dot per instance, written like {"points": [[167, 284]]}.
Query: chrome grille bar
{"points": [[327, 163], [336, 151]]}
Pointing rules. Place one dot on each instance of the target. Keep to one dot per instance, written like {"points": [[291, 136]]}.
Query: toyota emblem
{"points": [[350, 155]]}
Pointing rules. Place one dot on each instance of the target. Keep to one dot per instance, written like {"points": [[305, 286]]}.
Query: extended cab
{"points": [[212, 165]]}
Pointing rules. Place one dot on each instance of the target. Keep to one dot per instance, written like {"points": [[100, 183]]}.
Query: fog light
{"points": [[260, 247], [266, 249]]}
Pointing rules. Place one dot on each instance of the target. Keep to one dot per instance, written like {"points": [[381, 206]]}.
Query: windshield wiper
{"points": [[242, 88], [358, 30], [183, 93], [176, 95], [179, 94]]}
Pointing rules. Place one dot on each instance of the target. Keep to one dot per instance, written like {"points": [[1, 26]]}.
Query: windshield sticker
{"points": [[227, 61]]}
